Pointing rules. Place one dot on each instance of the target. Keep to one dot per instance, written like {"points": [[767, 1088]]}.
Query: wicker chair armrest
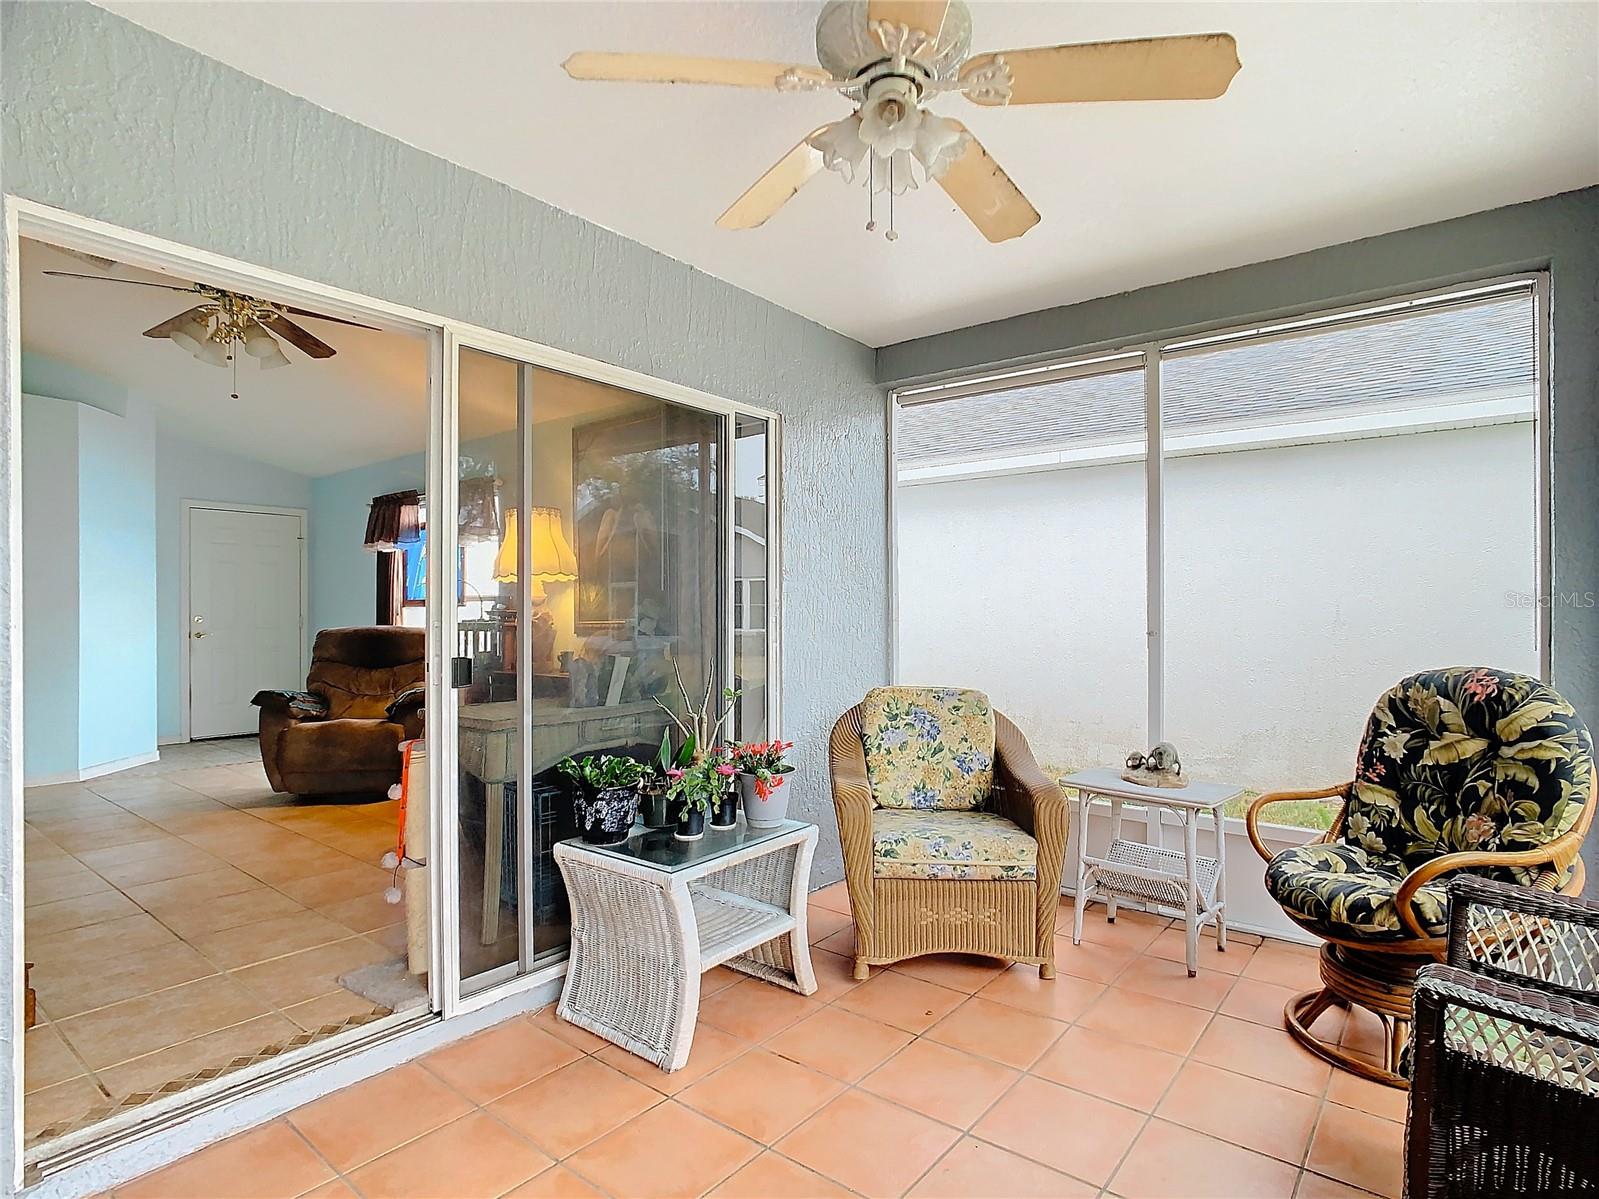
{"points": [[1518, 1042], [1252, 815], [1524, 936], [1023, 792], [1439, 986], [852, 802]]}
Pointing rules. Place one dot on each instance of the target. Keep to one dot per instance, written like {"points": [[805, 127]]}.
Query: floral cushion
{"points": [[1468, 758], [1342, 890], [928, 747], [949, 844]]}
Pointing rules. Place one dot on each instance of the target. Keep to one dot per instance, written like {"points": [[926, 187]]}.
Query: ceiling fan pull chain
{"points": [[871, 191], [234, 359], [891, 235]]}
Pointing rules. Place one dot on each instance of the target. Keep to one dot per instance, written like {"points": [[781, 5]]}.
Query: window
{"points": [[1338, 502], [1020, 548]]}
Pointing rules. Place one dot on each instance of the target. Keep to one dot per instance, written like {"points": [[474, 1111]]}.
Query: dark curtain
{"points": [[391, 585], [394, 520]]}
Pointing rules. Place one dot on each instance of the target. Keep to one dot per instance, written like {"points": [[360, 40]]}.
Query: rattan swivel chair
{"points": [[953, 837], [1463, 769]]}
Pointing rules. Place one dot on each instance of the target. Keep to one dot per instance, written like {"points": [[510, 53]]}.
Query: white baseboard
{"points": [[84, 773]]}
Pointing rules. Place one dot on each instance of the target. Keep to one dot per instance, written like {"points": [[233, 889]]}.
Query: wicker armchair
{"points": [[1505, 1092], [958, 851], [1465, 769]]}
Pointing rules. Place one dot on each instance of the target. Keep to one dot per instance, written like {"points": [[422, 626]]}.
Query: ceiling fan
{"points": [[227, 321], [888, 58]]}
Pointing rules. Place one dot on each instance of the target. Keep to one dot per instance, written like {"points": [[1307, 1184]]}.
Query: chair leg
{"points": [[1046, 971], [862, 970]]}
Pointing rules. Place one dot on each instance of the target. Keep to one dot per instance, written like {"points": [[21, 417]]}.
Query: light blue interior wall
{"points": [[116, 586], [89, 576], [188, 471], [343, 573], [50, 590]]}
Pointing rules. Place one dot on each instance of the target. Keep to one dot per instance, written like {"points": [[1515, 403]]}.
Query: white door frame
{"points": [[186, 508], [29, 218]]}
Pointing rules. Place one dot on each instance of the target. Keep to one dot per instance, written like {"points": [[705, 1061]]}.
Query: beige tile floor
{"points": [[941, 1077], [180, 915]]}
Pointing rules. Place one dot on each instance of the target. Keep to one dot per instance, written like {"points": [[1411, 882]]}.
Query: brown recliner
{"points": [[342, 734]]}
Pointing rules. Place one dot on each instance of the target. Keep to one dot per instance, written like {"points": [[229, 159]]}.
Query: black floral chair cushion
{"points": [[1468, 760], [1341, 890], [1451, 760]]}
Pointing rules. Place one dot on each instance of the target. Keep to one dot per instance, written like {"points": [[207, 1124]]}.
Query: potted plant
{"points": [[654, 810], [604, 796], [697, 726], [724, 809], [694, 789], [761, 774]]}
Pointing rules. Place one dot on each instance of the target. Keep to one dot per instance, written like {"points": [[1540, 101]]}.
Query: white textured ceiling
{"points": [[1347, 120], [368, 403]]}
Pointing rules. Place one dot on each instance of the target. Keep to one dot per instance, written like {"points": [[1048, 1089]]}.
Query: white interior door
{"points": [[246, 625]]}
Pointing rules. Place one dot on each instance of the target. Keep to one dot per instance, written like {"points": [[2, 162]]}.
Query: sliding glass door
{"points": [[614, 550]]}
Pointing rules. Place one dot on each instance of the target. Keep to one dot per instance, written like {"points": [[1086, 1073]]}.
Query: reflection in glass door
{"points": [[593, 574], [490, 625]]}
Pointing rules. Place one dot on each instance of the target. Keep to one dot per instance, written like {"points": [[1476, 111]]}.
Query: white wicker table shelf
{"points": [[1134, 871], [651, 914]]}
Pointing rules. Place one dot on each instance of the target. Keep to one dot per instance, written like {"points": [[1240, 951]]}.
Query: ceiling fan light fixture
{"points": [[191, 335], [258, 343], [841, 146], [273, 358], [212, 353]]}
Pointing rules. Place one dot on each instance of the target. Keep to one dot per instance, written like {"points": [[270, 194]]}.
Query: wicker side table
{"points": [[651, 914]]}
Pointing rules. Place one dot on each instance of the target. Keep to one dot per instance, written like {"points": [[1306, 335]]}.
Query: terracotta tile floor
{"points": [[180, 915], [944, 1077]]}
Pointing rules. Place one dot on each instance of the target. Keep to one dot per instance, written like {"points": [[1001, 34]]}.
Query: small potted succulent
{"points": [[761, 773], [724, 809], [695, 788], [604, 796]]}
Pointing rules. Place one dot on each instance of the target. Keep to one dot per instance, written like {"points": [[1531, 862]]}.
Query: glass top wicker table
{"points": [[1133, 870], [651, 914]]}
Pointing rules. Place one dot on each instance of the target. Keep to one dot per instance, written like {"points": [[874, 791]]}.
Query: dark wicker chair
{"points": [[1504, 1098]]}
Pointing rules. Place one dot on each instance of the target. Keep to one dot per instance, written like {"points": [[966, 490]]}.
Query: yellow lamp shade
{"points": [[553, 559]]}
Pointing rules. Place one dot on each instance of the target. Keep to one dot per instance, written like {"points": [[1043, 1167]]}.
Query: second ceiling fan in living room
{"points": [[889, 58]]}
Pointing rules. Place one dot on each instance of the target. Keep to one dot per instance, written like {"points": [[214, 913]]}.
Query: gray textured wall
{"points": [[108, 120], [1560, 234]]}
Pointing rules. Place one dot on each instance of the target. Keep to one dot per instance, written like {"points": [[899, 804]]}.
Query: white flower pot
{"points": [[764, 813]]}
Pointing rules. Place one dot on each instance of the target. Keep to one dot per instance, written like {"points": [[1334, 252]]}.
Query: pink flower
{"points": [[725, 770], [1480, 685], [674, 773]]}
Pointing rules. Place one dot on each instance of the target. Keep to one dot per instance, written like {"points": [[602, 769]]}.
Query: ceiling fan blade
{"points": [[775, 188], [95, 260], [1194, 67], [926, 15], [299, 338], [986, 194], [676, 68], [165, 328], [321, 316], [109, 279]]}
